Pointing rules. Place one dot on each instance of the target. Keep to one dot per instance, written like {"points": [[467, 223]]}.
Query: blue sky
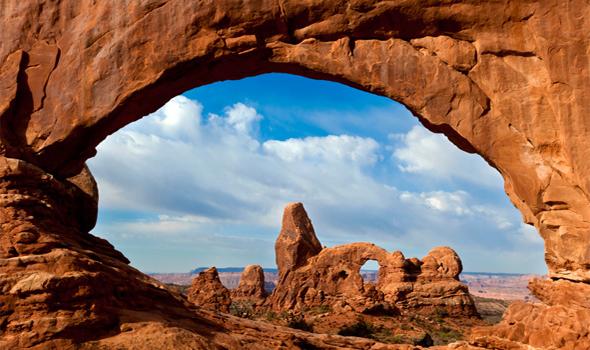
{"points": [[203, 180]]}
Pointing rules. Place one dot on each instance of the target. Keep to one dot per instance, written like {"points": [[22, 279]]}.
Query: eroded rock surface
{"points": [[560, 321], [206, 291], [332, 277], [505, 79]]}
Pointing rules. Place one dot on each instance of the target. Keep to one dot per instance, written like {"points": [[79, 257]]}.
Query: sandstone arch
{"points": [[505, 79]]}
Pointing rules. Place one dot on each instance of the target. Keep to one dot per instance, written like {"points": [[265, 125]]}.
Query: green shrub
{"points": [[447, 335], [270, 316], [317, 310], [242, 309]]}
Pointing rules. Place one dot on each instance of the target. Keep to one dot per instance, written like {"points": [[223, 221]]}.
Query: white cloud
{"points": [[433, 156], [528, 234], [242, 118], [446, 202], [178, 119], [332, 148], [205, 181]]}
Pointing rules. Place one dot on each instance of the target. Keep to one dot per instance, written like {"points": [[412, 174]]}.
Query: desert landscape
{"points": [[504, 81], [436, 309], [492, 293], [502, 286]]}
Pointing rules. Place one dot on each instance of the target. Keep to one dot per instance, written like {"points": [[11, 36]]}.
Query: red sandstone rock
{"points": [[206, 291], [560, 321], [73, 72], [297, 241], [332, 277], [251, 287], [441, 262]]}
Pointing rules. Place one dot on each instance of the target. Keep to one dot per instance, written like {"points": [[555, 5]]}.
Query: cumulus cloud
{"points": [[179, 119], [241, 117], [209, 183], [446, 202], [332, 148], [432, 155]]}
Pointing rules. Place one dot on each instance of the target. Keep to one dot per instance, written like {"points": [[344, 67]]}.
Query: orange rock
{"points": [[560, 321], [206, 291], [505, 79], [251, 287], [332, 277], [297, 241]]}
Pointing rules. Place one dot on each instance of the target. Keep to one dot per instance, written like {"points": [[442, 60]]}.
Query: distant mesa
{"points": [[219, 269]]}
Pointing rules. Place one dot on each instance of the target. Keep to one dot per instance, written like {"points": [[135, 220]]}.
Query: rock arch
{"points": [[506, 79]]}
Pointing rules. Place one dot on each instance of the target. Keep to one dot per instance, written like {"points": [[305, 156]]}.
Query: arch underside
{"points": [[496, 78]]}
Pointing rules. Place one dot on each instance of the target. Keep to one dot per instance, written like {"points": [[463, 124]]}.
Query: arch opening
{"points": [[201, 127], [398, 144], [62, 97], [369, 272]]}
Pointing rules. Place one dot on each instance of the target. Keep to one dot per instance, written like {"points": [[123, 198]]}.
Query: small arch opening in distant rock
{"points": [[370, 272]]}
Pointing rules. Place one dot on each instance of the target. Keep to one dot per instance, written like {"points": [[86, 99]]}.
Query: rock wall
{"points": [[505, 79]]}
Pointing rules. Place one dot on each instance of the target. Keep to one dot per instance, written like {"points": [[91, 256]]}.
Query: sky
{"points": [[203, 181]]}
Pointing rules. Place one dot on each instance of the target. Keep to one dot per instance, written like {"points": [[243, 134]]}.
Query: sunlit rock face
{"points": [[505, 79], [331, 276], [251, 286], [297, 241], [206, 291]]}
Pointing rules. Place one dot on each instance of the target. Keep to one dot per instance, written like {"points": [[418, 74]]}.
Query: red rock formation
{"points": [[332, 277], [297, 241], [206, 291], [251, 287], [560, 321], [505, 79], [430, 285]]}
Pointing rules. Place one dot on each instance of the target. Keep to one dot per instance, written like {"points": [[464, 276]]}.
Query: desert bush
{"points": [[242, 309], [318, 310], [446, 335]]}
